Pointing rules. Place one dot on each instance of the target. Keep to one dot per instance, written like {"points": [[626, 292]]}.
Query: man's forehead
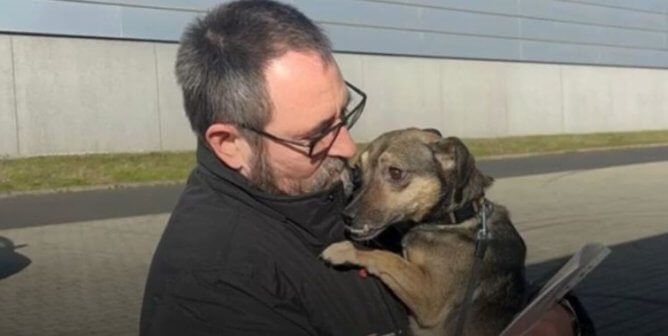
{"points": [[298, 63], [304, 87]]}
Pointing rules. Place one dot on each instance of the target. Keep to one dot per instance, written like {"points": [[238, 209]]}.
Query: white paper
{"points": [[583, 262]]}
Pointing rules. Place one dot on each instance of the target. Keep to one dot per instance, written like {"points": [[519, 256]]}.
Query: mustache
{"points": [[334, 165], [330, 171]]}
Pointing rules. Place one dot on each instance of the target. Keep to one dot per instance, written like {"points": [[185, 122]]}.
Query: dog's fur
{"points": [[416, 176]]}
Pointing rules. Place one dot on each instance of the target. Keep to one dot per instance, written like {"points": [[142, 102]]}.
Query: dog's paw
{"points": [[340, 253]]}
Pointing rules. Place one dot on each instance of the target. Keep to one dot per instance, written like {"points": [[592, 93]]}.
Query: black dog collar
{"points": [[468, 211]]}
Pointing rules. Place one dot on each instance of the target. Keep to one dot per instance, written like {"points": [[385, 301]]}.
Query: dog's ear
{"points": [[453, 156], [456, 160], [432, 130], [362, 161]]}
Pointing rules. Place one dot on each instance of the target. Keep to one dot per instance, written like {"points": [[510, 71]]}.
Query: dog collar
{"points": [[468, 211]]}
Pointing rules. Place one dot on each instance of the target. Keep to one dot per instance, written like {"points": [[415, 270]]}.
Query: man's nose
{"points": [[343, 145]]}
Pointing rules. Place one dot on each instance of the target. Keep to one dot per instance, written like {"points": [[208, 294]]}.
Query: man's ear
{"points": [[453, 156], [228, 145]]}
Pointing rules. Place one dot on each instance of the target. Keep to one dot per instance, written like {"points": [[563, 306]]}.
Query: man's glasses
{"points": [[322, 142]]}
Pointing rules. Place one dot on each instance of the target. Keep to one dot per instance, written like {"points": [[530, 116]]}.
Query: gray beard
{"points": [[262, 176]]}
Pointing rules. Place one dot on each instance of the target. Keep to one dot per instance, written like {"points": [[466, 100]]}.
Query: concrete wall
{"points": [[88, 96], [495, 99], [72, 95], [8, 127], [605, 32]]}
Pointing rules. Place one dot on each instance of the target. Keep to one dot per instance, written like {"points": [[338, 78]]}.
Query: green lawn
{"points": [[59, 172], [56, 172], [563, 143]]}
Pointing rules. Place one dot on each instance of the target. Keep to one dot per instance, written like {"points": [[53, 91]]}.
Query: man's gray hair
{"points": [[222, 57]]}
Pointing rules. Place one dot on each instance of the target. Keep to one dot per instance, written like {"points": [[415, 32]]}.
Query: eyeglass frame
{"points": [[310, 147]]}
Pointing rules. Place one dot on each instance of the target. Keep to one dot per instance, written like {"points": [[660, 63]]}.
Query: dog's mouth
{"points": [[368, 232]]}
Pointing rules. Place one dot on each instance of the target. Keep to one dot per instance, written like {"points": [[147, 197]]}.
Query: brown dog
{"points": [[416, 177]]}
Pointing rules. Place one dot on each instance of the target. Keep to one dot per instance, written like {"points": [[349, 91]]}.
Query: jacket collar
{"points": [[314, 217]]}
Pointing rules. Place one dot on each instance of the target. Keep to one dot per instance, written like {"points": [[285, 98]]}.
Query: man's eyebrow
{"points": [[324, 125], [320, 128]]}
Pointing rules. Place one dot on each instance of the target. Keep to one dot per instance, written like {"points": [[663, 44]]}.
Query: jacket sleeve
{"points": [[584, 324], [217, 305]]}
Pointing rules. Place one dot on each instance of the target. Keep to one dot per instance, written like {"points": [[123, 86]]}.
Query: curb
{"points": [[39, 192]]}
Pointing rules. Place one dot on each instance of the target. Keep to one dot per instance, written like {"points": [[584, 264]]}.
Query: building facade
{"points": [[89, 76]]}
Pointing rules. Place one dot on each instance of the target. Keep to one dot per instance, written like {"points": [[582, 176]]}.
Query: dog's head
{"points": [[411, 175]]}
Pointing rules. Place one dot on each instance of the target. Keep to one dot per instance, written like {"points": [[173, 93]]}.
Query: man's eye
{"points": [[319, 134], [313, 139]]}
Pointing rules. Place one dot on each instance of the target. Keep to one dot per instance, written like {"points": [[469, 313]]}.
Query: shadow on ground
{"points": [[10, 261], [628, 293]]}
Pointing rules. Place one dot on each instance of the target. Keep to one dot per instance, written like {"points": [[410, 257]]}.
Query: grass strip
{"points": [[74, 171]]}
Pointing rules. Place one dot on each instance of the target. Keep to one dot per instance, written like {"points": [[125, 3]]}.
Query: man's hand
{"points": [[557, 322]]}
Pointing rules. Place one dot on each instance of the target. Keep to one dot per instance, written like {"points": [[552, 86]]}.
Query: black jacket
{"points": [[236, 261]]}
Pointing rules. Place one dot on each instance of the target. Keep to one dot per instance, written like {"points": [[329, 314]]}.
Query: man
{"points": [[239, 255]]}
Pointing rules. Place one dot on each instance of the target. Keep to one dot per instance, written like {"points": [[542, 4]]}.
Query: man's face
{"points": [[308, 96]]}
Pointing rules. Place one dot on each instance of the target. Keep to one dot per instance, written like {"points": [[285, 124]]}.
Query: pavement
{"points": [[87, 267]]}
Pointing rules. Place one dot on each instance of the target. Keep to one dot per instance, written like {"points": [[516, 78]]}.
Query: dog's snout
{"points": [[356, 173], [347, 218], [349, 214]]}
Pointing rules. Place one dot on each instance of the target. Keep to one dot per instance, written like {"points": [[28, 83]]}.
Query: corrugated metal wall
{"points": [[607, 32]]}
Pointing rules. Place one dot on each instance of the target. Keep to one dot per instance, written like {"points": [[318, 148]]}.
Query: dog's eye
{"points": [[395, 173]]}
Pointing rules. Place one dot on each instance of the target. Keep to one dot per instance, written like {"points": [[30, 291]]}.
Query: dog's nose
{"points": [[347, 219], [348, 215], [356, 173]]}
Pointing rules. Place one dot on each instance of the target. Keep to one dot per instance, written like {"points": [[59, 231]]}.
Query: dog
{"points": [[418, 179]]}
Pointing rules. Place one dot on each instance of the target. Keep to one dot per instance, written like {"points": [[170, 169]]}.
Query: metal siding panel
{"points": [[375, 40], [361, 13], [470, 23], [559, 52], [191, 5], [581, 33], [575, 12], [458, 20], [508, 7], [471, 47], [63, 18], [347, 12], [649, 58], [645, 5], [154, 24]]}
